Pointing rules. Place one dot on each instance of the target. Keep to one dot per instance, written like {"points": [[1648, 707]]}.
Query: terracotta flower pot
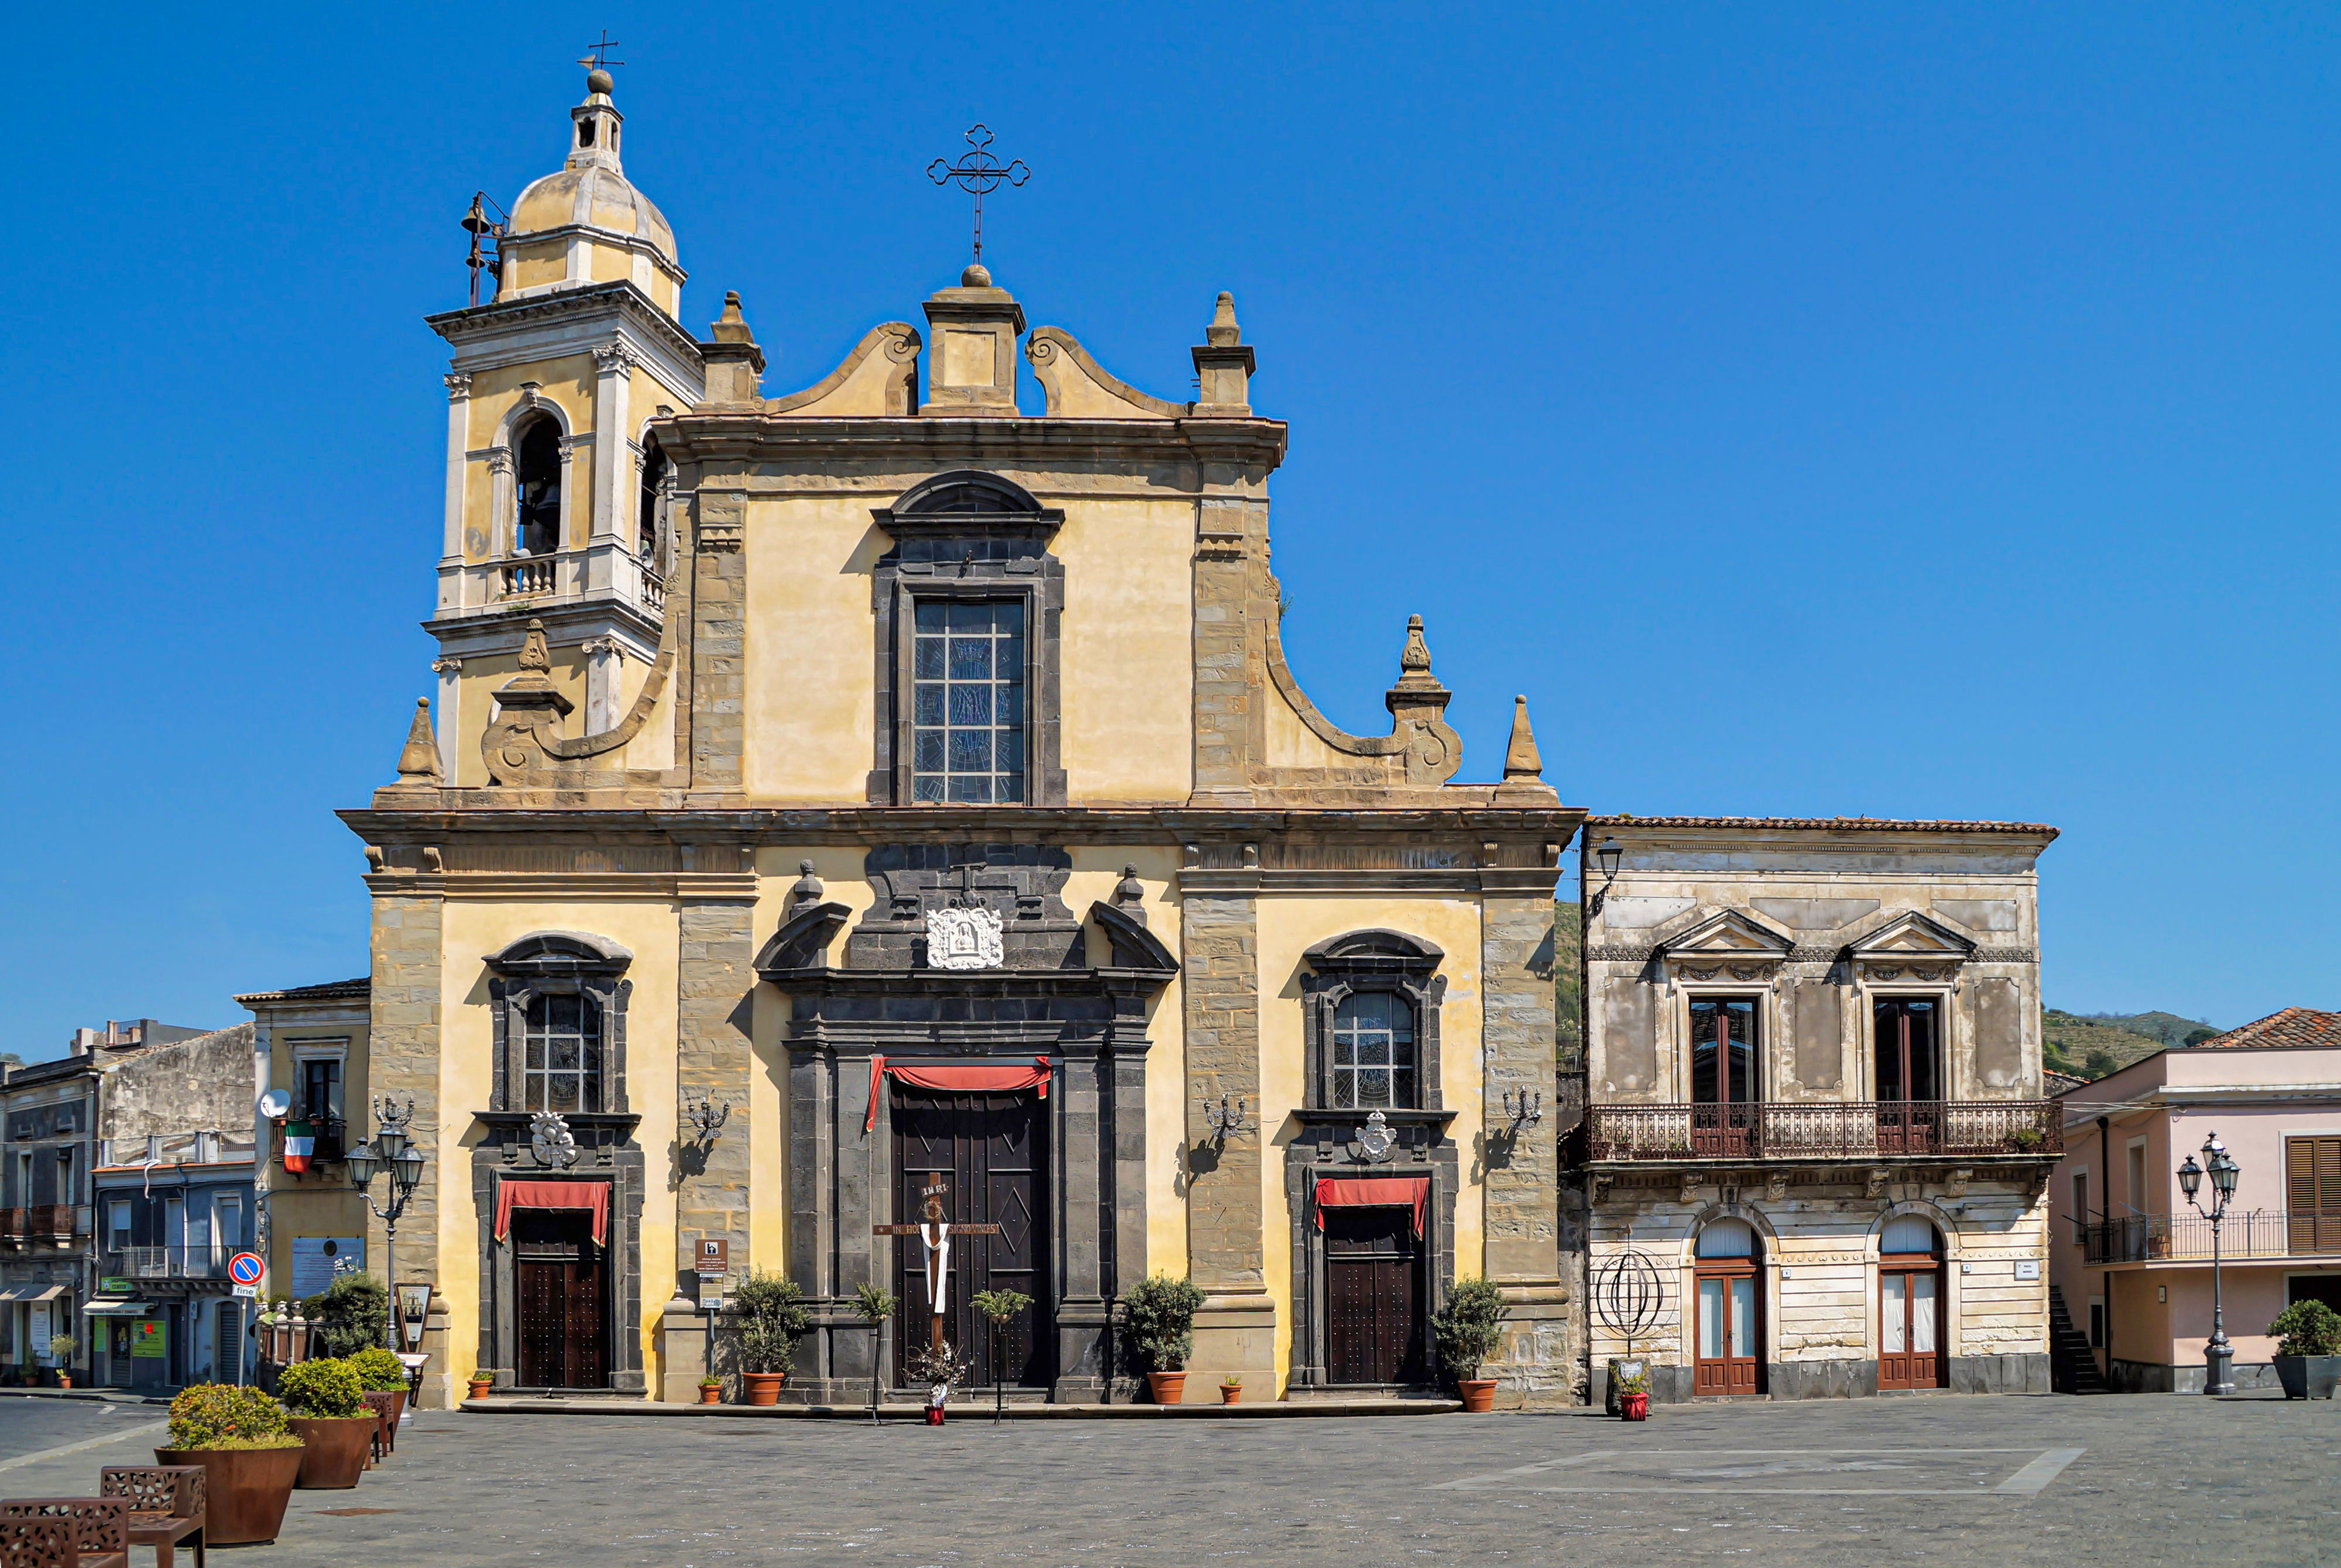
{"points": [[479, 1386], [334, 1450], [763, 1387], [1229, 1392], [246, 1490], [1167, 1387], [711, 1394], [1634, 1406], [1478, 1395], [65, 1380]]}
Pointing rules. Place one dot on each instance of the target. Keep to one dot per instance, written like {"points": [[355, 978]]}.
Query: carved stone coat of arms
{"points": [[962, 939]]}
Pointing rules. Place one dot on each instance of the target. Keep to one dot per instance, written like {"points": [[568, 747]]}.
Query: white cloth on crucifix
{"points": [[937, 1237]]}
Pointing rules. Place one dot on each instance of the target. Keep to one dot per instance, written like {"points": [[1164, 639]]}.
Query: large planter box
{"points": [[246, 1489], [334, 1451], [2308, 1376]]}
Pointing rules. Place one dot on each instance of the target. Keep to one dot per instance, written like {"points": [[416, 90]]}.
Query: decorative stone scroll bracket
{"points": [[524, 745], [1421, 742]]}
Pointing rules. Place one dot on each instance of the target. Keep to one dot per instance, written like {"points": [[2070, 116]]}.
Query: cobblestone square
{"points": [[2131, 1479]]}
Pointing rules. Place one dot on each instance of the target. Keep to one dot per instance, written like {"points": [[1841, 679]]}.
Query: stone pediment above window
{"points": [[566, 955], [1911, 946], [1729, 944], [967, 505]]}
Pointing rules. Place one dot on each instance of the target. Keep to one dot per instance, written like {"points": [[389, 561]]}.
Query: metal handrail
{"points": [[2260, 1233], [1824, 1129]]}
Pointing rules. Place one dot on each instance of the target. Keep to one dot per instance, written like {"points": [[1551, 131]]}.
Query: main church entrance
{"points": [[992, 1150]]}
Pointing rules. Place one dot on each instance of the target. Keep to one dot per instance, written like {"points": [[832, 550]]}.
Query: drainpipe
{"points": [[2106, 1188]]}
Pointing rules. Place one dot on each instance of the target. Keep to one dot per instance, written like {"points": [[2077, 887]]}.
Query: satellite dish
{"points": [[276, 1104]]}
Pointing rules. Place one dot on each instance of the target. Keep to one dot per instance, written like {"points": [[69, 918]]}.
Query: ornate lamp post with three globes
{"points": [[2218, 1355], [394, 1151]]}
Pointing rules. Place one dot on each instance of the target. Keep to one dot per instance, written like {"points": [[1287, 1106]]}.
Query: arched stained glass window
{"points": [[562, 1069], [1373, 1052]]}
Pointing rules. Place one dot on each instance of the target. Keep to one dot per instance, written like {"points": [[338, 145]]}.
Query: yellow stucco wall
{"points": [[472, 927], [320, 1202], [1128, 622], [810, 649], [1289, 925]]}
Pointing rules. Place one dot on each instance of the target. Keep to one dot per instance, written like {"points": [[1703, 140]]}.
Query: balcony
{"points": [[2265, 1232], [1840, 1129], [328, 1134], [144, 1262], [56, 1222], [11, 1228]]}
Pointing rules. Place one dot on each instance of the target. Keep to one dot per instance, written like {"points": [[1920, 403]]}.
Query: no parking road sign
{"points": [[245, 1268]]}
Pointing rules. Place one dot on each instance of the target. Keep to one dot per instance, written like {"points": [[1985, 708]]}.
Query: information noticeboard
{"points": [[147, 1339], [314, 1257]]}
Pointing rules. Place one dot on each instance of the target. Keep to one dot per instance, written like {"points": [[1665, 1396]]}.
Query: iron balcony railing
{"points": [[1843, 1129], [59, 1222], [2260, 1233], [165, 1263]]}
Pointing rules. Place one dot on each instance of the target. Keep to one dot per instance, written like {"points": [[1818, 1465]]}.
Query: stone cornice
{"points": [[928, 440], [476, 333], [462, 811]]}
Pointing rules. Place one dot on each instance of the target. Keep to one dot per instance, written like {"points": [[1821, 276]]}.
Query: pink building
{"points": [[2130, 1260]]}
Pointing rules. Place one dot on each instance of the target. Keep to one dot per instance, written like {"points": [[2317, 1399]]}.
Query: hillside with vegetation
{"points": [[2091, 1045]]}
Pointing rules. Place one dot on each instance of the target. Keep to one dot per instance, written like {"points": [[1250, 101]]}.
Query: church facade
{"points": [[825, 793]]}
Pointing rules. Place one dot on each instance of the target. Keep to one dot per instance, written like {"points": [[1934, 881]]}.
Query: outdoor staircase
{"points": [[2072, 1365]]}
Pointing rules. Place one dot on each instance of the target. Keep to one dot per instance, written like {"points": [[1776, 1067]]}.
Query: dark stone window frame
{"points": [[967, 536], [1363, 961], [557, 963]]}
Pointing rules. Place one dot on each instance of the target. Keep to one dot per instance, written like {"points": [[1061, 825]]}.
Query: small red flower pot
{"points": [[1634, 1406], [934, 1415]]}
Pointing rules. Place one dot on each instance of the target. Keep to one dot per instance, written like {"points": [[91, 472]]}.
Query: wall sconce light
{"points": [[706, 1119], [1610, 854], [1221, 1120], [1526, 1112]]}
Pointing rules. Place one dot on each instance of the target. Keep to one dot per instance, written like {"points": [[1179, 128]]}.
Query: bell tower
{"points": [[556, 496]]}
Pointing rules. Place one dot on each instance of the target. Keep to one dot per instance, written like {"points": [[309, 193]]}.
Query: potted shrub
{"points": [[2308, 1350], [249, 1457], [381, 1371], [481, 1380], [329, 1414], [1230, 1388], [874, 1307], [1160, 1313], [711, 1391], [996, 1307], [61, 1350], [1466, 1331], [771, 1320], [1634, 1397], [348, 1316]]}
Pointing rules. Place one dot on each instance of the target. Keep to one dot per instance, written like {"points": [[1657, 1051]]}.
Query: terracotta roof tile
{"points": [[1839, 824], [332, 990], [2292, 1026]]}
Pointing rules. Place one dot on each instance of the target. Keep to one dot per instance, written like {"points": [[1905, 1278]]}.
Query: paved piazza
{"points": [[2149, 1478]]}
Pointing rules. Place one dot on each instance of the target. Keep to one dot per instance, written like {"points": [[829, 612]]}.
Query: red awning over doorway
{"points": [[976, 1080], [586, 1194], [1373, 1192]]}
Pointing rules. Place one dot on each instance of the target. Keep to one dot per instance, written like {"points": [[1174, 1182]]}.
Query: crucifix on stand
{"points": [[935, 1231]]}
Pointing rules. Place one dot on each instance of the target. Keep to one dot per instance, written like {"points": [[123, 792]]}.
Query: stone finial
{"points": [[730, 327], [1130, 895], [533, 655], [1223, 366], [1223, 332], [418, 760], [1415, 657], [806, 890], [1520, 759]]}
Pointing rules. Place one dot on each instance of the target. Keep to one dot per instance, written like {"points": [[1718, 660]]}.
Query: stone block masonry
{"points": [[1235, 1331], [403, 1066], [714, 975]]}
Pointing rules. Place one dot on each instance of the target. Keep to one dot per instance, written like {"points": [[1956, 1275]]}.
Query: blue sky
{"points": [[1899, 411]]}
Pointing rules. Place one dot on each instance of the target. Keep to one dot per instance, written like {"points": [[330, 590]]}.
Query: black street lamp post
{"points": [[2218, 1355], [394, 1151]]}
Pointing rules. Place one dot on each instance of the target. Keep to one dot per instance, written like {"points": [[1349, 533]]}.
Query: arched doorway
{"points": [[1728, 1310], [1910, 1305]]}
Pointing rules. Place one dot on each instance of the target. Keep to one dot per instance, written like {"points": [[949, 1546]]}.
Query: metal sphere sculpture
{"points": [[1629, 1295]]}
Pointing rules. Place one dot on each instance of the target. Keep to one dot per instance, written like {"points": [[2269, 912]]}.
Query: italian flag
{"points": [[300, 1138]]}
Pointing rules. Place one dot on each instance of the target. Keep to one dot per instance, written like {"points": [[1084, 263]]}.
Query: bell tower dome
{"points": [[585, 222]]}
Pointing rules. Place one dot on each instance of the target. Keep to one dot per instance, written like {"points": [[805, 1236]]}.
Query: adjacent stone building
{"points": [[907, 784], [1815, 1141]]}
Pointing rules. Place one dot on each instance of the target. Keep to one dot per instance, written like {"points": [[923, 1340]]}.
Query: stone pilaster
{"points": [[719, 639], [403, 1064], [1537, 1361], [1235, 1332], [714, 973], [1234, 604]]}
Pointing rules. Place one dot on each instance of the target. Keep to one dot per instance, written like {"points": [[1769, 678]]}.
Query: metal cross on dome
{"points": [[978, 172], [598, 56]]}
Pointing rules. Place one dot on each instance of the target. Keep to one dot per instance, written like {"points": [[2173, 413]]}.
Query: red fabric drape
{"points": [[592, 1195], [1373, 1192], [960, 1080]]}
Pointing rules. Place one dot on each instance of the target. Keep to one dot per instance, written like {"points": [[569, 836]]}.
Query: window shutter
{"points": [[2312, 1174]]}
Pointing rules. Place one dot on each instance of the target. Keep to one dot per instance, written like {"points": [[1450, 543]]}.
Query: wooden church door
{"points": [[992, 1150], [559, 1279], [1374, 1325]]}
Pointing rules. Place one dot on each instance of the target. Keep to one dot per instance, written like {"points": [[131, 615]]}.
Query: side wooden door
{"points": [[1729, 1357], [1909, 1325], [992, 1151], [1374, 1325], [559, 1276]]}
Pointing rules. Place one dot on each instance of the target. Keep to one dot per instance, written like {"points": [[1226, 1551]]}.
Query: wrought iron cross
{"points": [[978, 172], [598, 56]]}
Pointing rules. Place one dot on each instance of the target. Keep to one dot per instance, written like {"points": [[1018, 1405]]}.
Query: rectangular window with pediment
{"points": [[562, 1064], [968, 690]]}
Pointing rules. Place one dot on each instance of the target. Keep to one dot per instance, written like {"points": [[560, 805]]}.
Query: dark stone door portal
{"points": [[1373, 1269], [992, 1149], [560, 1283]]}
